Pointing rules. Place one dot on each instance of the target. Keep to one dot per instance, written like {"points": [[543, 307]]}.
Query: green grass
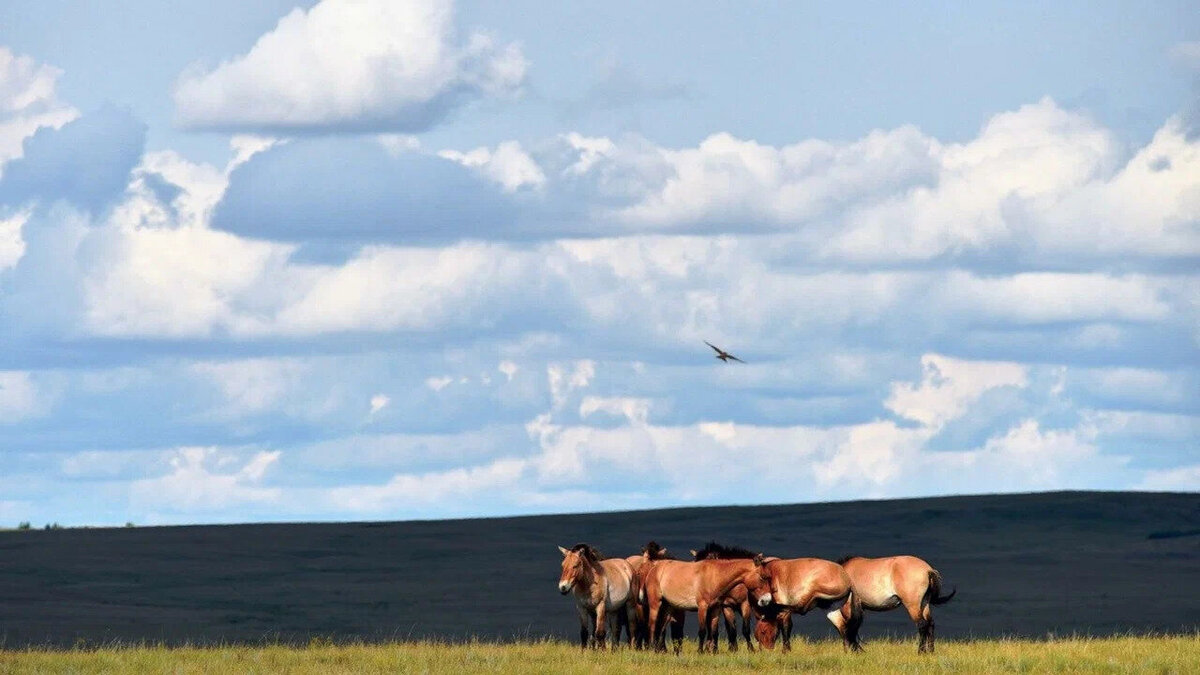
{"points": [[1168, 654]]}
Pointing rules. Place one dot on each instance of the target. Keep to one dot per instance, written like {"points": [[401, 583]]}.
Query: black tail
{"points": [[935, 589]]}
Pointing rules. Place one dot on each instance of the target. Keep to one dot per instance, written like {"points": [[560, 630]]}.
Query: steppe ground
{"points": [[1179, 654]]}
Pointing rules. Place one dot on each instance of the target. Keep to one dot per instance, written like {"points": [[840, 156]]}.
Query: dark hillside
{"points": [[1068, 562]]}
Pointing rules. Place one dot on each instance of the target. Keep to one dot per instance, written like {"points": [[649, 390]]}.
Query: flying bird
{"points": [[722, 354]]}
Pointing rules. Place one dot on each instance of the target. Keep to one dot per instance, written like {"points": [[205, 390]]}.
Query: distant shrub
{"points": [[129, 523], [53, 526], [24, 525]]}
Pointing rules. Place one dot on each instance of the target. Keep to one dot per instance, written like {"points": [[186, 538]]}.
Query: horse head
{"points": [[758, 581], [576, 564]]}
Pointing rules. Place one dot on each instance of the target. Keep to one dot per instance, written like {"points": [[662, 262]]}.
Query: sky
{"points": [[365, 260]]}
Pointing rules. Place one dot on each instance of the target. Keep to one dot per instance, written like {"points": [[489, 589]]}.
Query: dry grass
{"points": [[1163, 654]]}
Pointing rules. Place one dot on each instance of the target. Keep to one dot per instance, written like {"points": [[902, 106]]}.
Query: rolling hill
{"points": [[1027, 565]]}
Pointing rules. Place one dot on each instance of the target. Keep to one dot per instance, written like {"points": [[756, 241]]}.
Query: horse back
{"points": [[619, 575]]}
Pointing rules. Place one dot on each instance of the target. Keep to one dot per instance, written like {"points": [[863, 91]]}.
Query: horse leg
{"points": [[917, 614], [926, 626], [702, 615], [601, 625], [656, 630], [785, 627], [746, 625], [642, 623], [631, 623], [852, 616], [842, 618], [730, 627], [584, 627], [677, 630]]}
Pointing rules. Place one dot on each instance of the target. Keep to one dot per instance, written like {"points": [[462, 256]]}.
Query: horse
{"points": [[886, 583], [738, 600], [601, 587], [699, 586], [799, 585], [642, 564]]}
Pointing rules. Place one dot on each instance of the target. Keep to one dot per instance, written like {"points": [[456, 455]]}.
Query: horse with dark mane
{"points": [[737, 601], [605, 590], [883, 584], [676, 586], [651, 553]]}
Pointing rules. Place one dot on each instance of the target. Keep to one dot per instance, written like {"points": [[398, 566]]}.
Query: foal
{"points": [[886, 583], [699, 586], [604, 590]]}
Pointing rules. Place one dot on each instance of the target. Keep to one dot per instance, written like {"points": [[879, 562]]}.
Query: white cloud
{"points": [[438, 383], [634, 410], [563, 383], [379, 402], [949, 386], [12, 245], [508, 368], [508, 165], [27, 102], [351, 65], [1038, 186], [201, 480]]}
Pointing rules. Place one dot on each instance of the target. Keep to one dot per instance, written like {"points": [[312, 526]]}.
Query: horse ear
{"points": [[662, 552], [758, 560], [564, 551], [693, 551]]}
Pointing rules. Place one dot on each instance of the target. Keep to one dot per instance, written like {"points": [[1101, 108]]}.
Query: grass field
{"points": [[1164, 654]]}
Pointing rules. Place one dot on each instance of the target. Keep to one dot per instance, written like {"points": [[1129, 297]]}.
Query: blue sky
{"points": [[376, 260]]}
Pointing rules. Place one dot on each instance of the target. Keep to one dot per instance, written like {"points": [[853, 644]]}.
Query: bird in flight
{"points": [[722, 354]]}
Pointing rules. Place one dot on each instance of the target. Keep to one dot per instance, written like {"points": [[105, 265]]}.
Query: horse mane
{"points": [[588, 552], [713, 549], [655, 552], [846, 558]]}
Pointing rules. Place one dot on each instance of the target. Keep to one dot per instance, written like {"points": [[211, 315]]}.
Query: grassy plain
{"points": [[1131, 654]]}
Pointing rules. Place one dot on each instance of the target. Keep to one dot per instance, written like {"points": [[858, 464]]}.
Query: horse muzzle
{"points": [[564, 587], [764, 599]]}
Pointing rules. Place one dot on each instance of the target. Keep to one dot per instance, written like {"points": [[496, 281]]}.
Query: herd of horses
{"points": [[646, 593]]}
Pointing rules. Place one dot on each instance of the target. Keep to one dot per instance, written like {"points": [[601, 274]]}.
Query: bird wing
{"points": [[735, 358], [715, 348]]}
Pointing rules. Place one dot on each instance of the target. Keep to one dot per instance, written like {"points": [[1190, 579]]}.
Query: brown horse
{"points": [[651, 553], [799, 585], [699, 586], [738, 599], [604, 590], [882, 584]]}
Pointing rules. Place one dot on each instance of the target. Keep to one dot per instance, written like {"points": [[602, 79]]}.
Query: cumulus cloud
{"points": [[28, 102], [948, 386], [351, 65]]}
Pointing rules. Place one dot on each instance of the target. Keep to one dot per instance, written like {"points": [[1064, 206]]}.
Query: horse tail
{"points": [[935, 589]]}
